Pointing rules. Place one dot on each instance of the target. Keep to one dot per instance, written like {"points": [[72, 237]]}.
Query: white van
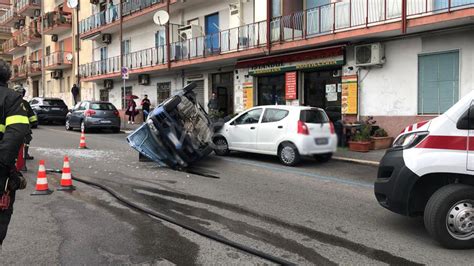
{"points": [[286, 131], [429, 171]]}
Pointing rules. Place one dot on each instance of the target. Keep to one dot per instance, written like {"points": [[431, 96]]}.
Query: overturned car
{"points": [[177, 133]]}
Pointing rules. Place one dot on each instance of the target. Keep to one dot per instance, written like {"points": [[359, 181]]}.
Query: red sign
{"points": [[290, 88]]}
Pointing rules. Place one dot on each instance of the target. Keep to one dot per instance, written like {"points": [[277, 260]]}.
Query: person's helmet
{"points": [[20, 89], [5, 71]]}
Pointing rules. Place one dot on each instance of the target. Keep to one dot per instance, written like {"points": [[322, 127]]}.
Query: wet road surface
{"points": [[316, 213]]}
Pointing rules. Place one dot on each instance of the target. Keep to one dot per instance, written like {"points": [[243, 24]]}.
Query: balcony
{"points": [[29, 37], [34, 68], [5, 30], [11, 46], [28, 7], [19, 72], [111, 16], [348, 15], [107, 67], [58, 61], [10, 17], [57, 22]]}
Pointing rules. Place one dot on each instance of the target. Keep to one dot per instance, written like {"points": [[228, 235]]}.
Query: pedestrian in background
{"points": [[213, 106], [131, 111], [14, 126], [145, 107], [75, 93]]}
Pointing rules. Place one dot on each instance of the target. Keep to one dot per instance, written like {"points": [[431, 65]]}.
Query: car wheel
{"points": [[171, 104], [68, 125], [83, 127], [323, 157], [222, 148], [288, 154], [449, 216]]}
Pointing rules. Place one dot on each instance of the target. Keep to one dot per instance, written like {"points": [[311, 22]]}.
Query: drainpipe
{"points": [[78, 48], [43, 72], [404, 16], [168, 41], [269, 18]]}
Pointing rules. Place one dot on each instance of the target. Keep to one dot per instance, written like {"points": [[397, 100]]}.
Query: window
{"points": [[54, 103], [274, 115], [83, 106], [163, 91], [251, 117], [48, 50], [102, 106], [104, 95], [313, 116], [34, 101], [125, 47], [160, 38], [276, 8], [438, 82], [61, 85], [193, 21]]}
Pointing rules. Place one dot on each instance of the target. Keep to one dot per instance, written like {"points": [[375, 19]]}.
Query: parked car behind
{"points": [[286, 131], [88, 115], [177, 133], [49, 109]]}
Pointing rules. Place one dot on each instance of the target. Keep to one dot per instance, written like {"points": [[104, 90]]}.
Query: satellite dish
{"points": [[69, 57], [161, 17], [72, 3]]}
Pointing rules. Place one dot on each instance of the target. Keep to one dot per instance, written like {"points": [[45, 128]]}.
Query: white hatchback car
{"points": [[286, 131]]}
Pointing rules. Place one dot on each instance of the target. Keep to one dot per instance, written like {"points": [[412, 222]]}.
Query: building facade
{"points": [[400, 61]]}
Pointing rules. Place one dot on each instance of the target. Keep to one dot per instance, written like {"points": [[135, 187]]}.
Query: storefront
{"points": [[310, 78]]}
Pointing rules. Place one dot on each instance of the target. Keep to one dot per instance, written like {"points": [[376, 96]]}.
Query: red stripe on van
{"points": [[420, 124], [445, 143]]}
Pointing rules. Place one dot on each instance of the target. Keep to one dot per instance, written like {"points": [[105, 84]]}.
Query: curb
{"points": [[357, 161]]}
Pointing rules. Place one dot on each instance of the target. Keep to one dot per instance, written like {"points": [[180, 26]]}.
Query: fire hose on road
{"points": [[155, 214]]}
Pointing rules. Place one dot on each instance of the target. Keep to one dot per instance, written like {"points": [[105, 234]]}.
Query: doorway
{"points": [[35, 88], [223, 87], [322, 90], [271, 90]]}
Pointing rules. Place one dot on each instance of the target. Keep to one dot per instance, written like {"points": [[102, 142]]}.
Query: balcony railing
{"points": [[22, 4], [35, 67], [112, 14], [10, 45], [27, 35], [55, 19], [5, 30], [101, 67], [57, 59], [349, 14], [8, 15]]}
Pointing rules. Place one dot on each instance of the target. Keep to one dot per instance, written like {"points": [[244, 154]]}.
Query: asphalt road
{"points": [[316, 213]]}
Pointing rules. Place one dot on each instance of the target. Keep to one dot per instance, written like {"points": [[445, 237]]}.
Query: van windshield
{"points": [[313, 116]]}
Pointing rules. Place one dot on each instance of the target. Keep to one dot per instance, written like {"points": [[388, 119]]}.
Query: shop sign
{"points": [[349, 99], [248, 95], [290, 85], [294, 66]]}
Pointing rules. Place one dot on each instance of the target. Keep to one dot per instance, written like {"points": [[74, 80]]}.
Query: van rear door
{"points": [[470, 139]]}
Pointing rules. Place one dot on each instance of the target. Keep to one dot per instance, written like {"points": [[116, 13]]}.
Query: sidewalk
{"points": [[129, 128], [369, 158]]}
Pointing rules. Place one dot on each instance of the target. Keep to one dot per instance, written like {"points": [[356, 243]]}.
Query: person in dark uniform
{"points": [[14, 126], [31, 118], [145, 107], [75, 93]]}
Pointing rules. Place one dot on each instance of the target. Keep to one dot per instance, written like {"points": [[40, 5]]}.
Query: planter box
{"points": [[380, 143], [359, 146]]}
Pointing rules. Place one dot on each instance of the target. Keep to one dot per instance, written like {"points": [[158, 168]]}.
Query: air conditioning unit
{"points": [[37, 13], [144, 79], [54, 38], [107, 38], [57, 74], [369, 55], [108, 84], [21, 22], [189, 31], [16, 26]]}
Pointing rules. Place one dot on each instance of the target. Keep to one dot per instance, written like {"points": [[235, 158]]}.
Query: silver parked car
{"points": [[88, 115]]}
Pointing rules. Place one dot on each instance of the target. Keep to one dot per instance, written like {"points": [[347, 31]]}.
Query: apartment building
{"points": [[400, 61], [5, 32]]}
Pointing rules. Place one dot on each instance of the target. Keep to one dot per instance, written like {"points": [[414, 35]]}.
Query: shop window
{"points": [[251, 117], [438, 82], [274, 115]]}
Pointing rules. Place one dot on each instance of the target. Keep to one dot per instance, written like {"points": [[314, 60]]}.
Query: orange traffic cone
{"points": [[42, 181], [82, 144], [66, 177]]}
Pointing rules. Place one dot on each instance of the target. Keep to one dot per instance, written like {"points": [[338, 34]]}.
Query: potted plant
{"points": [[361, 140], [381, 140]]}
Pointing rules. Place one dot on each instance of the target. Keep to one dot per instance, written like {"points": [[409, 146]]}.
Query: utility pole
{"points": [[78, 49], [43, 48]]}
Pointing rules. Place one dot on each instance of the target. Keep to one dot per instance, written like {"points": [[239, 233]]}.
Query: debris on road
{"points": [[177, 133]]}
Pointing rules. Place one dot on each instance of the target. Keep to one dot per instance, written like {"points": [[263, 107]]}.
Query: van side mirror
{"points": [[466, 121]]}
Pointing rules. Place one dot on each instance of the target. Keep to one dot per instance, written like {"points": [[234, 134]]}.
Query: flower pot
{"points": [[359, 146], [382, 142]]}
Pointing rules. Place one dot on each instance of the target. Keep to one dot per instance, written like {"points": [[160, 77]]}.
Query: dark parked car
{"points": [[49, 109], [177, 133], [88, 115]]}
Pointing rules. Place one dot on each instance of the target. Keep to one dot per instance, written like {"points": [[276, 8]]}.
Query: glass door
{"points": [[212, 33]]}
